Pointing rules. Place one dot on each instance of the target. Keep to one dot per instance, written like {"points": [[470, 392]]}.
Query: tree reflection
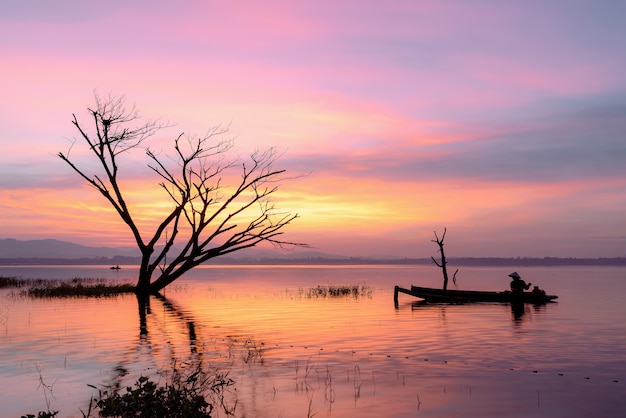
{"points": [[180, 314], [145, 351], [143, 303], [145, 357]]}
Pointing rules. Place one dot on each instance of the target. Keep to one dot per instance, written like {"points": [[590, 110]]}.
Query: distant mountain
{"points": [[52, 248], [268, 253], [52, 251]]}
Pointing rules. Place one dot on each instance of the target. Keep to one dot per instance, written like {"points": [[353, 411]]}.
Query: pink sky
{"points": [[503, 121]]}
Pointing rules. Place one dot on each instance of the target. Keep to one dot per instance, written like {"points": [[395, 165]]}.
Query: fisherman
{"points": [[517, 284]]}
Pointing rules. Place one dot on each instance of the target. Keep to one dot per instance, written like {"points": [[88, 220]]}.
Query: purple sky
{"points": [[503, 121]]}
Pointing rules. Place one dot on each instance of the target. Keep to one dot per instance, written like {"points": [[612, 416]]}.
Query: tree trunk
{"points": [[145, 273], [439, 242], [164, 280], [443, 267]]}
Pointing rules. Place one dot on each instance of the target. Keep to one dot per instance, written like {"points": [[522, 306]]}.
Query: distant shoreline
{"points": [[452, 262]]}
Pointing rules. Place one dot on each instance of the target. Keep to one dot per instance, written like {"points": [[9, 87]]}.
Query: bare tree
{"points": [[444, 262], [208, 218]]}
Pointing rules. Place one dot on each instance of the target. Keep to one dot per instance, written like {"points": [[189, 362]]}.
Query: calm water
{"points": [[294, 356]]}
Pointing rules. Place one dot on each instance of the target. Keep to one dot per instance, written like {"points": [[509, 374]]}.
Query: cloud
{"points": [[485, 116], [581, 146]]}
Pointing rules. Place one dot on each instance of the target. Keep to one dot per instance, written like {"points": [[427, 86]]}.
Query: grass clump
{"points": [[8, 282], [338, 291], [78, 287]]}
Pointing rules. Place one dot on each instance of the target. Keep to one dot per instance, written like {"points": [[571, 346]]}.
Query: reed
{"points": [[13, 282], [329, 390], [80, 288], [310, 412], [77, 287], [47, 393], [248, 350], [252, 352], [338, 291]]}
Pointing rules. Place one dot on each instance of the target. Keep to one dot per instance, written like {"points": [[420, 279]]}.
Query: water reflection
{"points": [[156, 353], [174, 315], [143, 303], [521, 312], [518, 309], [177, 313], [297, 356]]}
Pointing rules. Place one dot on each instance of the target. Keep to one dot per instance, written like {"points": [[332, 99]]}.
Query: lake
{"points": [[294, 354]]}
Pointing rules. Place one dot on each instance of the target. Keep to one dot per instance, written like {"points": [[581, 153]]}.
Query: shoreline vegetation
{"points": [[337, 291], [77, 287], [334, 261], [90, 287]]}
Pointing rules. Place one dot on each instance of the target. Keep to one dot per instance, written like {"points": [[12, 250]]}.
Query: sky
{"points": [[503, 122]]}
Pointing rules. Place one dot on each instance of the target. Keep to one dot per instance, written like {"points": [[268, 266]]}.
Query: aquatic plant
{"points": [[47, 393], [80, 288], [77, 287], [8, 282], [336, 291]]}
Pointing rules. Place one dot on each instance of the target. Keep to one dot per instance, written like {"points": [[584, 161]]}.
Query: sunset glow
{"points": [[503, 123]]}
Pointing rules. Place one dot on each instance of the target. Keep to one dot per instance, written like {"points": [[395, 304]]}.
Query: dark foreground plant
{"points": [[42, 414], [146, 399], [185, 395]]}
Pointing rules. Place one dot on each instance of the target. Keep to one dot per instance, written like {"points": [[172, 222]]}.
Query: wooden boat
{"points": [[115, 267], [466, 296]]}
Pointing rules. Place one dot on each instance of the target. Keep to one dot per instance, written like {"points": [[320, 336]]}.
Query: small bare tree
{"points": [[207, 218], [444, 262]]}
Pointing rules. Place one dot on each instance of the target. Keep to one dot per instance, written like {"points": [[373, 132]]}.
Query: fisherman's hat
{"points": [[515, 275]]}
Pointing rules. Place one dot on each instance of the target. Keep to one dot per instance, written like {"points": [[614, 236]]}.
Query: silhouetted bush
{"points": [[146, 399], [42, 414], [188, 393]]}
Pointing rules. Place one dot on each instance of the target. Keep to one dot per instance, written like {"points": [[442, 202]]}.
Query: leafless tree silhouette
{"points": [[444, 262], [208, 217]]}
